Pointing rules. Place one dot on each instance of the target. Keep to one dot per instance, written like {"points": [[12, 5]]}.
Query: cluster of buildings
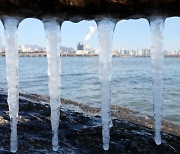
{"points": [[85, 50], [25, 48], [172, 53], [141, 53], [131, 53], [31, 48]]}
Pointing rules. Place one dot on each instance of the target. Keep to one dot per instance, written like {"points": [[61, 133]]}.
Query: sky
{"points": [[128, 34]]}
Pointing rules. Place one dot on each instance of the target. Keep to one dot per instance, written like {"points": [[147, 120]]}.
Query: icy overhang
{"points": [[76, 10]]}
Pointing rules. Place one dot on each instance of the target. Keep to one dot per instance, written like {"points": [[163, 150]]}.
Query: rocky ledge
{"points": [[76, 10], [78, 132]]}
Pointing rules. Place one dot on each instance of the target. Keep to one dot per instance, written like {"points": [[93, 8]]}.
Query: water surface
{"points": [[131, 82]]}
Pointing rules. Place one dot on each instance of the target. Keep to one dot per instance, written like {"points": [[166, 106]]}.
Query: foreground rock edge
{"points": [[117, 112], [76, 10], [77, 127]]}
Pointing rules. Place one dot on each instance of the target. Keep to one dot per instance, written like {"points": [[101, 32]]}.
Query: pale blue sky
{"points": [[129, 34]]}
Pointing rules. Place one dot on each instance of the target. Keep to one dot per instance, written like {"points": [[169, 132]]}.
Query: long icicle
{"points": [[157, 59], [52, 28], [12, 62], [105, 30]]}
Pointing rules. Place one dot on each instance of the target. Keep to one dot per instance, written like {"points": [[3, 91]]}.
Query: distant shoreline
{"points": [[43, 54]]}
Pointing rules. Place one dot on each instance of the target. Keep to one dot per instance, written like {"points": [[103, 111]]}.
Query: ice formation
{"points": [[52, 28], [157, 59], [12, 62], [105, 32]]}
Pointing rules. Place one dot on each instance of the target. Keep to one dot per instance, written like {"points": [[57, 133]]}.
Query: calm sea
{"points": [[131, 82]]}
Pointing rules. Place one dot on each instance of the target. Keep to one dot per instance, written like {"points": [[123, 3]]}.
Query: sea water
{"points": [[131, 84]]}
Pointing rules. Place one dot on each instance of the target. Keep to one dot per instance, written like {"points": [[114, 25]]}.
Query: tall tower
{"points": [[80, 46]]}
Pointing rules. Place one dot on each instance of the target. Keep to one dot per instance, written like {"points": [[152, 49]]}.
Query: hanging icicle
{"points": [[52, 28], [12, 62], [157, 58], [105, 29]]}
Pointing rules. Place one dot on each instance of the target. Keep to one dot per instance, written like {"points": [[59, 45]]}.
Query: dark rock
{"points": [[76, 10], [78, 133], [116, 111]]}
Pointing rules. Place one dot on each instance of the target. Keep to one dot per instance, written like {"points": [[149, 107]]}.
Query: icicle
{"points": [[12, 62], [157, 58], [106, 30], [52, 28]]}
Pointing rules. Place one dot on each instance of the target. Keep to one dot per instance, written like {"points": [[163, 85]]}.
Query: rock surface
{"points": [[76, 10], [78, 132]]}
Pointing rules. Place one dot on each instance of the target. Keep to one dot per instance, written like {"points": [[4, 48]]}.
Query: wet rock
{"points": [[116, 111], [78, 133]]}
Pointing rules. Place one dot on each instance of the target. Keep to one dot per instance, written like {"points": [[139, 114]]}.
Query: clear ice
{"points": [[105, 32], [12, 62], [52, 28], [157, 60]]}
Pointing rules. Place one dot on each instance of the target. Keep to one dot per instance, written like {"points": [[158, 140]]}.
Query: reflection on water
{"points": [[131, 82]]}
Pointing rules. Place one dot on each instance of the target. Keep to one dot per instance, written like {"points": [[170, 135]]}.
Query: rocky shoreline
{"points": [[80, 130]]}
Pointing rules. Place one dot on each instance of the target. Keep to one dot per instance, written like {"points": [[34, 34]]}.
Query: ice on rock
{"points": [[12, 62], [52, 28], [157, 59], [105, 31]]}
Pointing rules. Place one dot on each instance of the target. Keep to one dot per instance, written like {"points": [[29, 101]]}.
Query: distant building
{"points": [[82, 49], [80, 46], [93, 51]]}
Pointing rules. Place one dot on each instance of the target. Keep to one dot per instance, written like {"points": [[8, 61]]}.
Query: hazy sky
{"points": [[129, 34]]}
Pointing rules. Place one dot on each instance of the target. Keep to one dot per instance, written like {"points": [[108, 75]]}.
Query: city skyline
{"points": [[129, 34], [84, 50]]}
